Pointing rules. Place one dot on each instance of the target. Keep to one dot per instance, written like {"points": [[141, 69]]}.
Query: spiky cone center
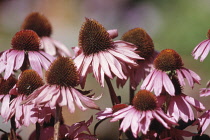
{"points": [[94, 38], [7, 85], [28, 82], [26, 40], [62, 72], [118, 107], [142, 40], [168, 60], [208, 34], [144, 100], [38, 23]]}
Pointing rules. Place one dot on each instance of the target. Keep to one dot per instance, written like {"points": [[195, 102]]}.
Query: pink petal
{"points": [[188, 77], [47, 56], [96, 67], [125, 124], [86, 65], [134, 123], [149, 81], [195, 103], [5, 106], [62, 100], [48, 46], [168, 85], [70, 101], [54, 99], [77, 99], [19, 60], [104, 65], [10, 63], [158, 83], [115, 65], [160, 119], [86, 100], [180, 77], [122, 57], [62, 47], [34, 62]]}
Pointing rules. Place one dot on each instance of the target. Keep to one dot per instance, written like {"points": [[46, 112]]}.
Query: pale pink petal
{"points": [[114, 65], [125, 124], [10, 63], [195, 103], [198, 50], [77, 100], [48, 46], [44, 62], [128, 53], [86, 65], [173, 109], [123, 58], [5, 106], [62, 48], [34, 62], [186, 111], [160, 119], [119, 116], [101, 76], [149, 117], [158, 84], [168, 85], [54, 99], [196, 78], [134, 123], [187, 76], [62, 100], [149, 81], [46, 95], [96, 67], [104, 65], [205, 52], [180, 77], [85, 100], [123, 110], [19, 60], [79, 61], [47, 56]]}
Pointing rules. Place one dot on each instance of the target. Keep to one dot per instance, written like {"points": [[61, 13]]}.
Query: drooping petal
{"points": [[34, 62]]}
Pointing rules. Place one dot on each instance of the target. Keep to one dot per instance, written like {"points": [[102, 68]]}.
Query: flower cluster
{"points": [[39, 76]]}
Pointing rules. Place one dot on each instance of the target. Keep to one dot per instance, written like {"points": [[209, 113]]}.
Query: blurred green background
{"points": [[175, 24]]}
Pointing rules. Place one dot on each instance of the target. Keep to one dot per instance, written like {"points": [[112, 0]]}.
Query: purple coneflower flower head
{"points": [[140, 115], [205, 91], [203, 122], [145, 49], [179, 106], [99, 54], [28, 81], [5, 87], [202, 49], [168, 63], [61, 78], [25, 51], [41, 25]]}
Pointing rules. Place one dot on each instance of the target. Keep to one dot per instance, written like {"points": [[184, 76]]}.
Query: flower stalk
{"points": [[57, 122], [112, 93]]}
